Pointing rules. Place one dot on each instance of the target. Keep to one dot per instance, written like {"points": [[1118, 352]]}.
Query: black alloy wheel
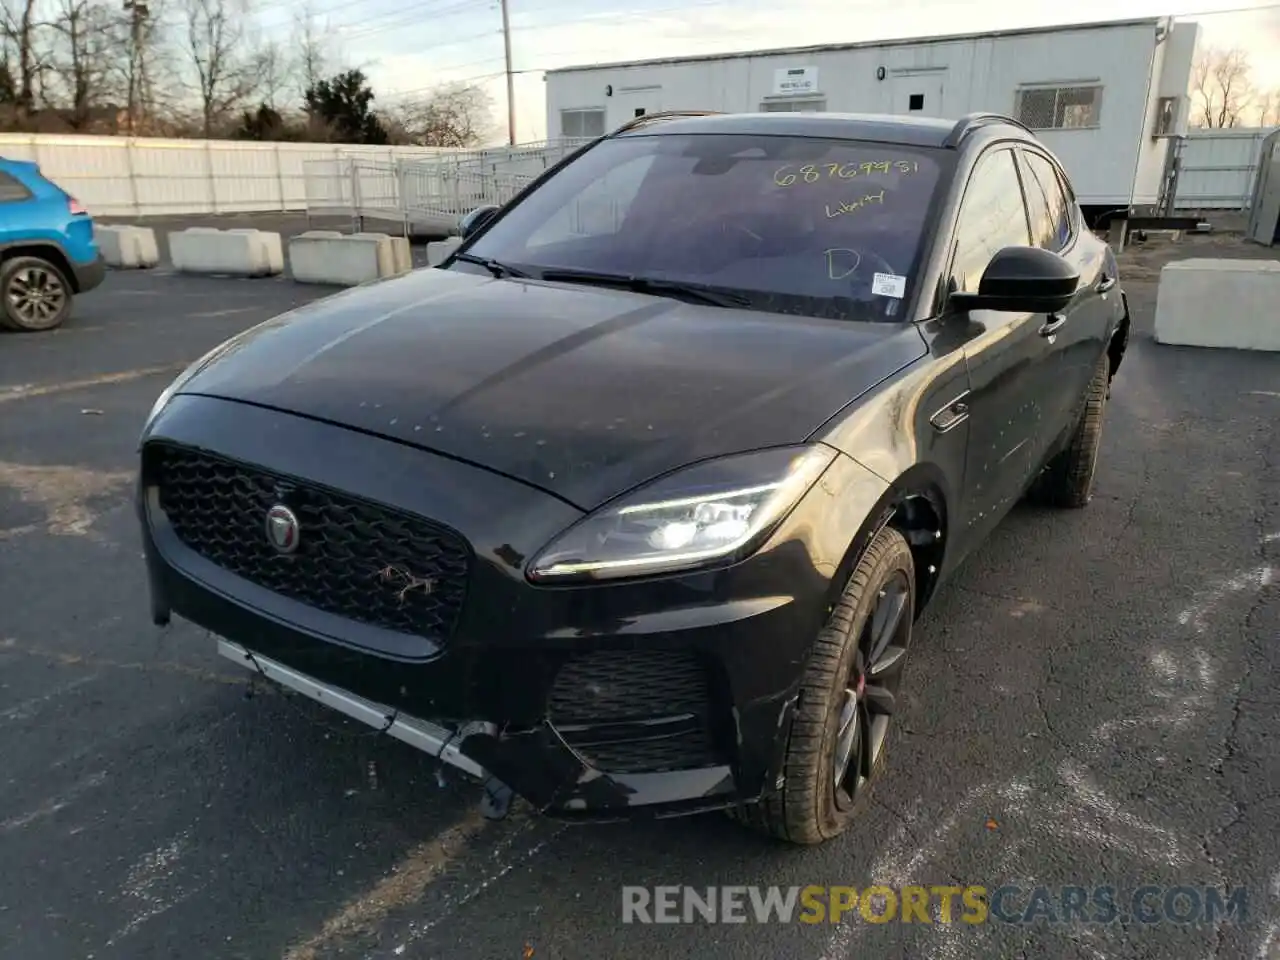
{"points": [[870, 695], [36, 294], [835, 743]]}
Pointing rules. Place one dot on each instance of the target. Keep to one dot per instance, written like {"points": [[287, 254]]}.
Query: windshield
{"points": [[816, 227]]}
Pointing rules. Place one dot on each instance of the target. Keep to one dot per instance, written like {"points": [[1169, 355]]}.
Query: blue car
{"points": [[47, 250]]}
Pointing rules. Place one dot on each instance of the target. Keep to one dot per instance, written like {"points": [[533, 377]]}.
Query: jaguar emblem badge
{"points": [[283, 531]]}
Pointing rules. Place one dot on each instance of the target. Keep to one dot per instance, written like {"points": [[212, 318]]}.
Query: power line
{"points": [[619, 15], [399, 18]]}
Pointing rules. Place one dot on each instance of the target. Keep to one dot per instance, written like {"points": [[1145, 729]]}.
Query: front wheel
{"points": [[848, 696], [36, 294]]}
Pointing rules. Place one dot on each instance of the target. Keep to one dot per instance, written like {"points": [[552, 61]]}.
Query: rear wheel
{"points": [[848, 697], [1068, 479], [36, 294]]}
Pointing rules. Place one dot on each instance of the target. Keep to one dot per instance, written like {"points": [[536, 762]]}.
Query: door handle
{"points": [[952, 415], [1106, 284], [1054, 324]]}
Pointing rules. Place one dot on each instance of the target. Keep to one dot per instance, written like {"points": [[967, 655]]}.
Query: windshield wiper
{"points": [[691, 292], [496, 267]]}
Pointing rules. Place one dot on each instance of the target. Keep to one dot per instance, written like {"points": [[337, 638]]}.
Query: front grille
{"points": [[618, 687], [354, 559]]}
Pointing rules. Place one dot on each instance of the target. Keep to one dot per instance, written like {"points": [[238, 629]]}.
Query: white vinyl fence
{"points": [[1218, 168], [127, 176]]}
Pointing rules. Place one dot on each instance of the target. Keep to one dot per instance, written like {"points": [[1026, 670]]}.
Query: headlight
{"points": [[709, 512]]}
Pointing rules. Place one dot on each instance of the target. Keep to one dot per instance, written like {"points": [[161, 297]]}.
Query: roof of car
{"points": [[879, 128]]}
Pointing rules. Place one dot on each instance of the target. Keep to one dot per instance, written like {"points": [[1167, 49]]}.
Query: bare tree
{"points": [[21, 27], [314, 50], [82, 56], [275, 72], [1221, 87], [456, 115], [226, 74], [1268, 107]]}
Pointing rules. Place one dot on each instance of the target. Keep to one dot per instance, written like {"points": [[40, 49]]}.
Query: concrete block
{"points": [[1219, 303], [439, 250], [324, 256], [127, 247], [402, 255], [240, 252]]}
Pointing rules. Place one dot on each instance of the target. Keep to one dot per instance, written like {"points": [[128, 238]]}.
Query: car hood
{"points": [[581, 391]]}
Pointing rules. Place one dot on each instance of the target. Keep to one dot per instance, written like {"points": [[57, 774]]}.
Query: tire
{"points": [[37, 295], [1068, 479], [809, 806]]}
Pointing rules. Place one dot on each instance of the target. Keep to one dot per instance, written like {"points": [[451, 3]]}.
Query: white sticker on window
{"points": [[888, 285]]}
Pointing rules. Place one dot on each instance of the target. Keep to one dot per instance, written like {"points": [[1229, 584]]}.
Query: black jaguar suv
{"points": [[631, 504]]}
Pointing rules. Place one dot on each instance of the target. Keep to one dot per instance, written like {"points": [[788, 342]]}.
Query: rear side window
{"points": [[992, 217], [1053, 232], [11, 189]]}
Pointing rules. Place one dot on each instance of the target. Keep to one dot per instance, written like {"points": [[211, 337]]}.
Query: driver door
{"points": [[1007, 356]]}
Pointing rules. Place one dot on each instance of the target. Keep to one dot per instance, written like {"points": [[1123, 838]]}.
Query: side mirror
{"points": [[1022, 280], [476, 219]]}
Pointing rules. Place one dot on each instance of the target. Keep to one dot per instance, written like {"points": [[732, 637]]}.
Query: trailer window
{"points": [[794, 105], [1060, 108], [581, 124], [817, 227]]}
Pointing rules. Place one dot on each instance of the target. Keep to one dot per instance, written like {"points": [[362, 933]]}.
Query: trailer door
{"points": [[918, 94]]}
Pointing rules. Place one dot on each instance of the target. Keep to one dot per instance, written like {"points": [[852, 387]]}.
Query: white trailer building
{"points": [[1105, 97]]}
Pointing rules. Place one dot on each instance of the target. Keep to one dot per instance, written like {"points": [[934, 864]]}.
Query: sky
{"points": [[406, 50]]}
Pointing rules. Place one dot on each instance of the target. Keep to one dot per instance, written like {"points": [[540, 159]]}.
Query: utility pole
{"points": [[511, 85], [138, 12]]}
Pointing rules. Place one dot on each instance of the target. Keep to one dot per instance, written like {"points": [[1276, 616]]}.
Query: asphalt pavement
{"points": [[1090, 702]]}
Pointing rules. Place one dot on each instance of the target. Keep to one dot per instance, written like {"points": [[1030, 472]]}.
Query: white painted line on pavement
{"points": [[403, 886], [52, 806], [28, 391]]}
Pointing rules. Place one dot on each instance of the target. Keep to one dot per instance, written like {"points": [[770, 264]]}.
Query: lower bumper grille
{"points": [[636, 711], [354, 559]]}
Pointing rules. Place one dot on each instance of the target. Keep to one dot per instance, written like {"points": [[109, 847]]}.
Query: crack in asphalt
{"points": [[1038, 692], [1139, 494]]}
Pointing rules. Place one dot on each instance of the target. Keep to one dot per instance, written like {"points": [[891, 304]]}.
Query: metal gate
{"points": [[428, 196], [1264, 213]]}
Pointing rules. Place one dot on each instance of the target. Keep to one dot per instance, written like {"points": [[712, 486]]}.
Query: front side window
{"points": [[814, 227], [1055, 233], [992, 217]]}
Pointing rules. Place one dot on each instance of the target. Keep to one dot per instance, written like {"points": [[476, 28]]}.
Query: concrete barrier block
{"points": [[438, 251], [323, 256], [127, 247], [270, 247], [240, 252], [403, 256], [386, 255], [1219, 303]]}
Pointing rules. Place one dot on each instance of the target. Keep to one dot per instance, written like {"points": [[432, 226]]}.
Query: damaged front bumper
{"points": [[659, 698], [548, 772]]}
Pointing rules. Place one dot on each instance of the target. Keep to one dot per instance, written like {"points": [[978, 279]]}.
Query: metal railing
{"points": [[427, 196]]}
